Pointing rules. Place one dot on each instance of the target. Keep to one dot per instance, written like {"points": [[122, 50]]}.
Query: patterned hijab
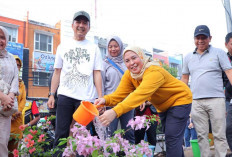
{"points": [[119, 59], [4, 52], [147, 61]]}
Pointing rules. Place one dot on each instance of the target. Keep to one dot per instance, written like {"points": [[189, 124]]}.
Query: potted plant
{"points": [[36, 141], [82, 143]]}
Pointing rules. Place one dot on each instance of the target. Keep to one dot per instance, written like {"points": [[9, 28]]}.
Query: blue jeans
{"points": [[124, 119], [189, 134], [174, 121], [229, 124]]}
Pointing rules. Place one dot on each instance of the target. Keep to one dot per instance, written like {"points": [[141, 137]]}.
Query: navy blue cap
{"points": [[202, 30]]}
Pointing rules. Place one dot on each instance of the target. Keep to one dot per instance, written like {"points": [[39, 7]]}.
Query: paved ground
{"points": [[187, 151]]}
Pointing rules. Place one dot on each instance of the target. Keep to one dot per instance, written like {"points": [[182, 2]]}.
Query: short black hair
{"points": [[228, 36]]}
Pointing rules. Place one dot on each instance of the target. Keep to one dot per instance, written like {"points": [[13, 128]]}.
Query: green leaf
{"points": [[63, 139], [95, 153], [62, 143], [74, 145]]}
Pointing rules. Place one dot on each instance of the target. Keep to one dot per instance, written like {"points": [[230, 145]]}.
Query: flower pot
{"points": [[85, 113]]}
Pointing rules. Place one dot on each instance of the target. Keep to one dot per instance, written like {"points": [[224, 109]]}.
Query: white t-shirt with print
{"points": [[77, 60]]}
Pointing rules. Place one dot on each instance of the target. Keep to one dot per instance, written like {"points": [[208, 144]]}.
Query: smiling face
{"points": [[80, 27], [133, 62], [202, 42], [113, 48], [2, 40]]}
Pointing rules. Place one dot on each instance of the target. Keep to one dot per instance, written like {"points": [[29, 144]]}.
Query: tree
{"points": [[171, 70]]}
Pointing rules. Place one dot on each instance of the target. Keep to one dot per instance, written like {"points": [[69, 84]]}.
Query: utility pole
{"points": [[228, 15]]}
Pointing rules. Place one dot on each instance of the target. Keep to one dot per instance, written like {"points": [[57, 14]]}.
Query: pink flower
{"points": [[49, 122], [84, 144], [30, 143], [115, 147], [26, 140], [30, 136], [32, 150], [67, 152], [138, 123], [21, 128], [33, 131], [41, 138], [16, 153]]}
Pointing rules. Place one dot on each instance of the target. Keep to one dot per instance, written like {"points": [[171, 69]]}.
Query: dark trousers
{"points": [[229, 124], [66, 106], [151, 134], [174, 121], [129, 135]]}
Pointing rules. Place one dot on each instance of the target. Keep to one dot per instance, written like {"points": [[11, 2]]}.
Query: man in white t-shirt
{"points": [[78, 66]]}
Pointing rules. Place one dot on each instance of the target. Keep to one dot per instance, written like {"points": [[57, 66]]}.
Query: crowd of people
{"points": [[130, 84]]}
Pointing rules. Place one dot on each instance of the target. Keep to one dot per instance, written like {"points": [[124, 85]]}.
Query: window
{"points": [[43, 42], [40, 78], [12, 34]]}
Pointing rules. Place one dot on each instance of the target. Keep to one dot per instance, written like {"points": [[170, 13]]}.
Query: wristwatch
{"points": [[50, 93]]}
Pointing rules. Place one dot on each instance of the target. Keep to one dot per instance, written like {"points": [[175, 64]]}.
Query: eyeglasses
{"points": [[201, 37]]}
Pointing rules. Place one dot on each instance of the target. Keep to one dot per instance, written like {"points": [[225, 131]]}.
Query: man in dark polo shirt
{"points": [[228, 93], [205, 66]]}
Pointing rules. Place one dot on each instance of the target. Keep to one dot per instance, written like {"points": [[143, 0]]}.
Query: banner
{"points": [[43, 62], [15, 49]]}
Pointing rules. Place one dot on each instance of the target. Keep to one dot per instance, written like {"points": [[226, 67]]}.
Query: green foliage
{"points": [[35, 141], [172, 71]]}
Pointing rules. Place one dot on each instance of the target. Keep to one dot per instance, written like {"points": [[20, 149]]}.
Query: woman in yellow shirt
{"points": [[144, 81]]}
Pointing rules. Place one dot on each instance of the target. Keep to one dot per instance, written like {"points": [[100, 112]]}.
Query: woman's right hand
{"points": [[100, 105], [99, 101], [7, 102]]}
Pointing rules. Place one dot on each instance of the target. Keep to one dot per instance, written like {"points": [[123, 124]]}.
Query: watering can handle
{"points": [[98, 106]]}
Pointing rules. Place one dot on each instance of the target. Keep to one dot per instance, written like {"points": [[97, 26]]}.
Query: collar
{"points": [[206, 51], [230, 57]]}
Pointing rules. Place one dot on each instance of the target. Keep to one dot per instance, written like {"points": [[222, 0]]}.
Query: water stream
{"points": [[100, 129]]}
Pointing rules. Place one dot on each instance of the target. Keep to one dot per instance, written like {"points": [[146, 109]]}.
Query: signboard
{"points": [[43, 62], [15, 49]]}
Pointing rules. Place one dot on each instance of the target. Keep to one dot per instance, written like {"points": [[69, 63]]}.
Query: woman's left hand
{"points": [[107, 117], [11, 95]]}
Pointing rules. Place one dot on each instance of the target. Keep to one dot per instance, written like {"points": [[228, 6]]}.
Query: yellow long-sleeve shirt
{"points": [[157, 86]]}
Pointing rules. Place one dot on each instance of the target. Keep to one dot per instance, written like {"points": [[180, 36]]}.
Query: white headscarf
{"points": [[147, 61], [5, 32]]}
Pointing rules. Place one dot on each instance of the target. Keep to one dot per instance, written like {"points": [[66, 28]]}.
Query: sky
{"points": [[162, 24]]}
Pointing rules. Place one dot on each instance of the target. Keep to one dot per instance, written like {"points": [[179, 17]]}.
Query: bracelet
{"points": [[28, 124]]}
